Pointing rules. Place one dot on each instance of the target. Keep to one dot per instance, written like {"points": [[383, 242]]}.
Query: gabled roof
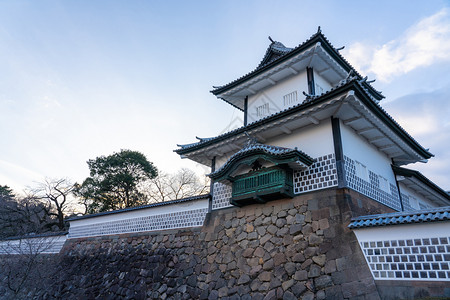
{"points": [[421, 216], [422, 185], [275, 154], [350, 85], [277, 53]]}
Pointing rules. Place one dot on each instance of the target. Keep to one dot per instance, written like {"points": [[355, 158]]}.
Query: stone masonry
{"points": [[286, 249]]}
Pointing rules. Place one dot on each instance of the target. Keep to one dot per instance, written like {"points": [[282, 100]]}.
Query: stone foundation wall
{"points": [[389, 289], [286, 249]]}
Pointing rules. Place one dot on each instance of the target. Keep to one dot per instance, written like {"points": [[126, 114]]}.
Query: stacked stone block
{"points": [[296, 248]]}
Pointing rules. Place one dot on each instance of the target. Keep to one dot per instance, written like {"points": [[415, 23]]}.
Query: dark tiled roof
{"points": [[32, 236], [255, 148], [416, 174], [207, 196], [420, 216], [275, 50], [286, 53], [345, 85]]}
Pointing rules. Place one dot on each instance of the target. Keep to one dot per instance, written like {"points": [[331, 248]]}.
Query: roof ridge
{"points": [[398, 218], [441, 209], [269, 149], [315, 35], [311, 100]]}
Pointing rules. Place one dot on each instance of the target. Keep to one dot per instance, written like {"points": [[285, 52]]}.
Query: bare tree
{"points": [[23, 215], [55, 193], [23, 265], [182, 184]]}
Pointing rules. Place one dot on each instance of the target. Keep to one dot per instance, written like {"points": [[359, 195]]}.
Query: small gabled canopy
{"points": [[255, 151], [421, 185]]}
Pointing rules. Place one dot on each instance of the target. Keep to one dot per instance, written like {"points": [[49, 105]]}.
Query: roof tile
{"points": [[420, 216]]}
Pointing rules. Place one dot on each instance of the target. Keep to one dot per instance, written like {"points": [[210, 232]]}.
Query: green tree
{"points": [[114, 181], [6, 193]]}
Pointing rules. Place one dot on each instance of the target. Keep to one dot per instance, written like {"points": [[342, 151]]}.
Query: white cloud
{"points": [[425, 116], [421, 45]]}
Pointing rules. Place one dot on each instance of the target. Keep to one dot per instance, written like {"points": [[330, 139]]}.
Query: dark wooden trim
{"points": [[398, 187], [352, 85], [338, 152], [245, 110], [311, 85], [318, 37], [211, 184]]}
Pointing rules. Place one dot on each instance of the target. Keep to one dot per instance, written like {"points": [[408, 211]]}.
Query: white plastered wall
{"points": [[414, 198], [314, 140], [274, 95], [159, 210], [321, 82], [400, 232], [358, 149], [416, 251], [36, 245]]}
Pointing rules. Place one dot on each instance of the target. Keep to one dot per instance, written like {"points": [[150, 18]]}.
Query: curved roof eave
{"points": [[362, 94], [317, 37], [276, 154], [438, 214], [413, 173]]}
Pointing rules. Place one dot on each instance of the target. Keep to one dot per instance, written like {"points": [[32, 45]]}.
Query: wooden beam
{"points": [[337, 109], [386, 147], [251, 91], [285, 130], [395, 154], [323, 71], [339, 152], [348, 121], [272, 82], [313, 120], [365, 129], [377, 138], [260, 138], [294, 71], [310, 78]]}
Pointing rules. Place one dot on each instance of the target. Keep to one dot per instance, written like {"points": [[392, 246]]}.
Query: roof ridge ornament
{"points": [[341, 48], [307, 95], [271, 40], [349, 75], [319, 30]]}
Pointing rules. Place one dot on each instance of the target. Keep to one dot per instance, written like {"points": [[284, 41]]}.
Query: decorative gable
{"points": [[260, 173]]}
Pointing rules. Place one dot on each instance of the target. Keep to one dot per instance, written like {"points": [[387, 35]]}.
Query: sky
{"points": [[80, 79]]}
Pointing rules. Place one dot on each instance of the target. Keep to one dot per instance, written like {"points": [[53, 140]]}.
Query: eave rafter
{"points": [[292, 70], [338, 102], [313, 120], [351, 120], [386, 133]]}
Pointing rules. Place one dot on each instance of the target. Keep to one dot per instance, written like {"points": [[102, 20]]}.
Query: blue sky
{"points": [[81, 79]]}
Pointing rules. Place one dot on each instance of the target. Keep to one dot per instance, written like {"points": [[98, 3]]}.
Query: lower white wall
{"points": [[407, 252], [367, 170], [171, 216], [31, 246], [412, 200]]}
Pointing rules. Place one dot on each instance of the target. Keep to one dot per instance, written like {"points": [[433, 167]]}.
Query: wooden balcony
{"points": [[261, 186]]}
